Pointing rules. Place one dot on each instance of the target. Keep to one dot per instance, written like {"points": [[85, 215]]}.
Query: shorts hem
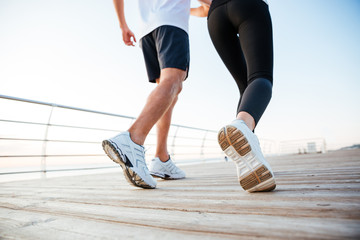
{"points": [[152, 79]]}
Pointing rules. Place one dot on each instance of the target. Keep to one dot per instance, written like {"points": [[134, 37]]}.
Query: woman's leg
{"points": [[226, 42], [254, 101], [236, 139], [255, 35]]}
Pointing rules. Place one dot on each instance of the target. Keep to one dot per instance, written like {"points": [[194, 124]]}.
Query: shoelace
{"points": [[172, 167], [143, 156]]}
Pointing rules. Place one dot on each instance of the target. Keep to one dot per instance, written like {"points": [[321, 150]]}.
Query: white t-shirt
{"points": [[156, 13]]}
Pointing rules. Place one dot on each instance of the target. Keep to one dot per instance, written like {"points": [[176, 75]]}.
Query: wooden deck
{"points": [[317, 197]]}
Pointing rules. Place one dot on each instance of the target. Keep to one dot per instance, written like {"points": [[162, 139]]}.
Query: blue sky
{"points": [[71, 53]]}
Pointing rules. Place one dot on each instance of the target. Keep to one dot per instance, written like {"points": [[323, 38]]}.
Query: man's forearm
{"points": [[119, 7]]}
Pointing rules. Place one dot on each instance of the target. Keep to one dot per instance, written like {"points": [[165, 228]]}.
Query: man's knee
{"points": [[176, 84], [174, 77]]}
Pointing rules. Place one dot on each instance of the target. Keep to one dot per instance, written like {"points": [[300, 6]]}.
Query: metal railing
{"points": [[41, 137], [60, 138], [303, 146]]}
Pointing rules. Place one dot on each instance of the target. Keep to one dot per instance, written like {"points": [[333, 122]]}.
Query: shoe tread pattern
{"points": [[131, 176], [232, 136], [259, 175]]}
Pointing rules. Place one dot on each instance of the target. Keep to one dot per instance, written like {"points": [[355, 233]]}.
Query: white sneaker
{"points": [[241, 145], [131, 157], [165, 170]]}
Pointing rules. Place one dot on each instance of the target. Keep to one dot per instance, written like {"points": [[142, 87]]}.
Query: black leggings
{"points": [[241, 31]]}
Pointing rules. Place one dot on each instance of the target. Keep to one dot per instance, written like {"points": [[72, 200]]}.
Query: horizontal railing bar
{"points": [[59, 125], [22, 122], [88, 110], [90, 168], [302, 140], [84, 155], [54, 155], [87, 128], [194, 128], [63, 106], [90, 142], [58, 170], [183, 137], [190, 146], [47, 140], [196, 154]]}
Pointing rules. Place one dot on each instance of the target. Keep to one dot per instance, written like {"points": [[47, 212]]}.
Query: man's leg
{"points": [[158, 103], [126, 148], [166, 48], [162, 166], [163, 127]]}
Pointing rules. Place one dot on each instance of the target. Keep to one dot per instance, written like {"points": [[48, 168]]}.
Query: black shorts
{"points": [[165, 47]]}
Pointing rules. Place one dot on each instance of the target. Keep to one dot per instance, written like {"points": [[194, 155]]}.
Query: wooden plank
{"points": [[317, 197]]}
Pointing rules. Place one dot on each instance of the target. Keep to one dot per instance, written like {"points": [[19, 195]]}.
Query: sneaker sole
{"points": [[130, 175], [254, 175]]}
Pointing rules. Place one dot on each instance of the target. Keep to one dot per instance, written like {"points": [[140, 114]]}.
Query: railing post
{"points": [[203, 144], [324, 146], [44, 147], [173, 142]]}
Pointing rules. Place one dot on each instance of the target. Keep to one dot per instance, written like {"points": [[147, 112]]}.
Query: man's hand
{"points": [[201, 11], [206, 2], [128, 37]]}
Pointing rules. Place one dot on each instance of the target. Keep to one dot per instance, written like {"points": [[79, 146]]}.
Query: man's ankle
{"points": [[136, 138], [163, 157]]}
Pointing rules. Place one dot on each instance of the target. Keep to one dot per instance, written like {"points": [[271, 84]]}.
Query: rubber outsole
{"points": [[253, 174], [131, 176]]}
